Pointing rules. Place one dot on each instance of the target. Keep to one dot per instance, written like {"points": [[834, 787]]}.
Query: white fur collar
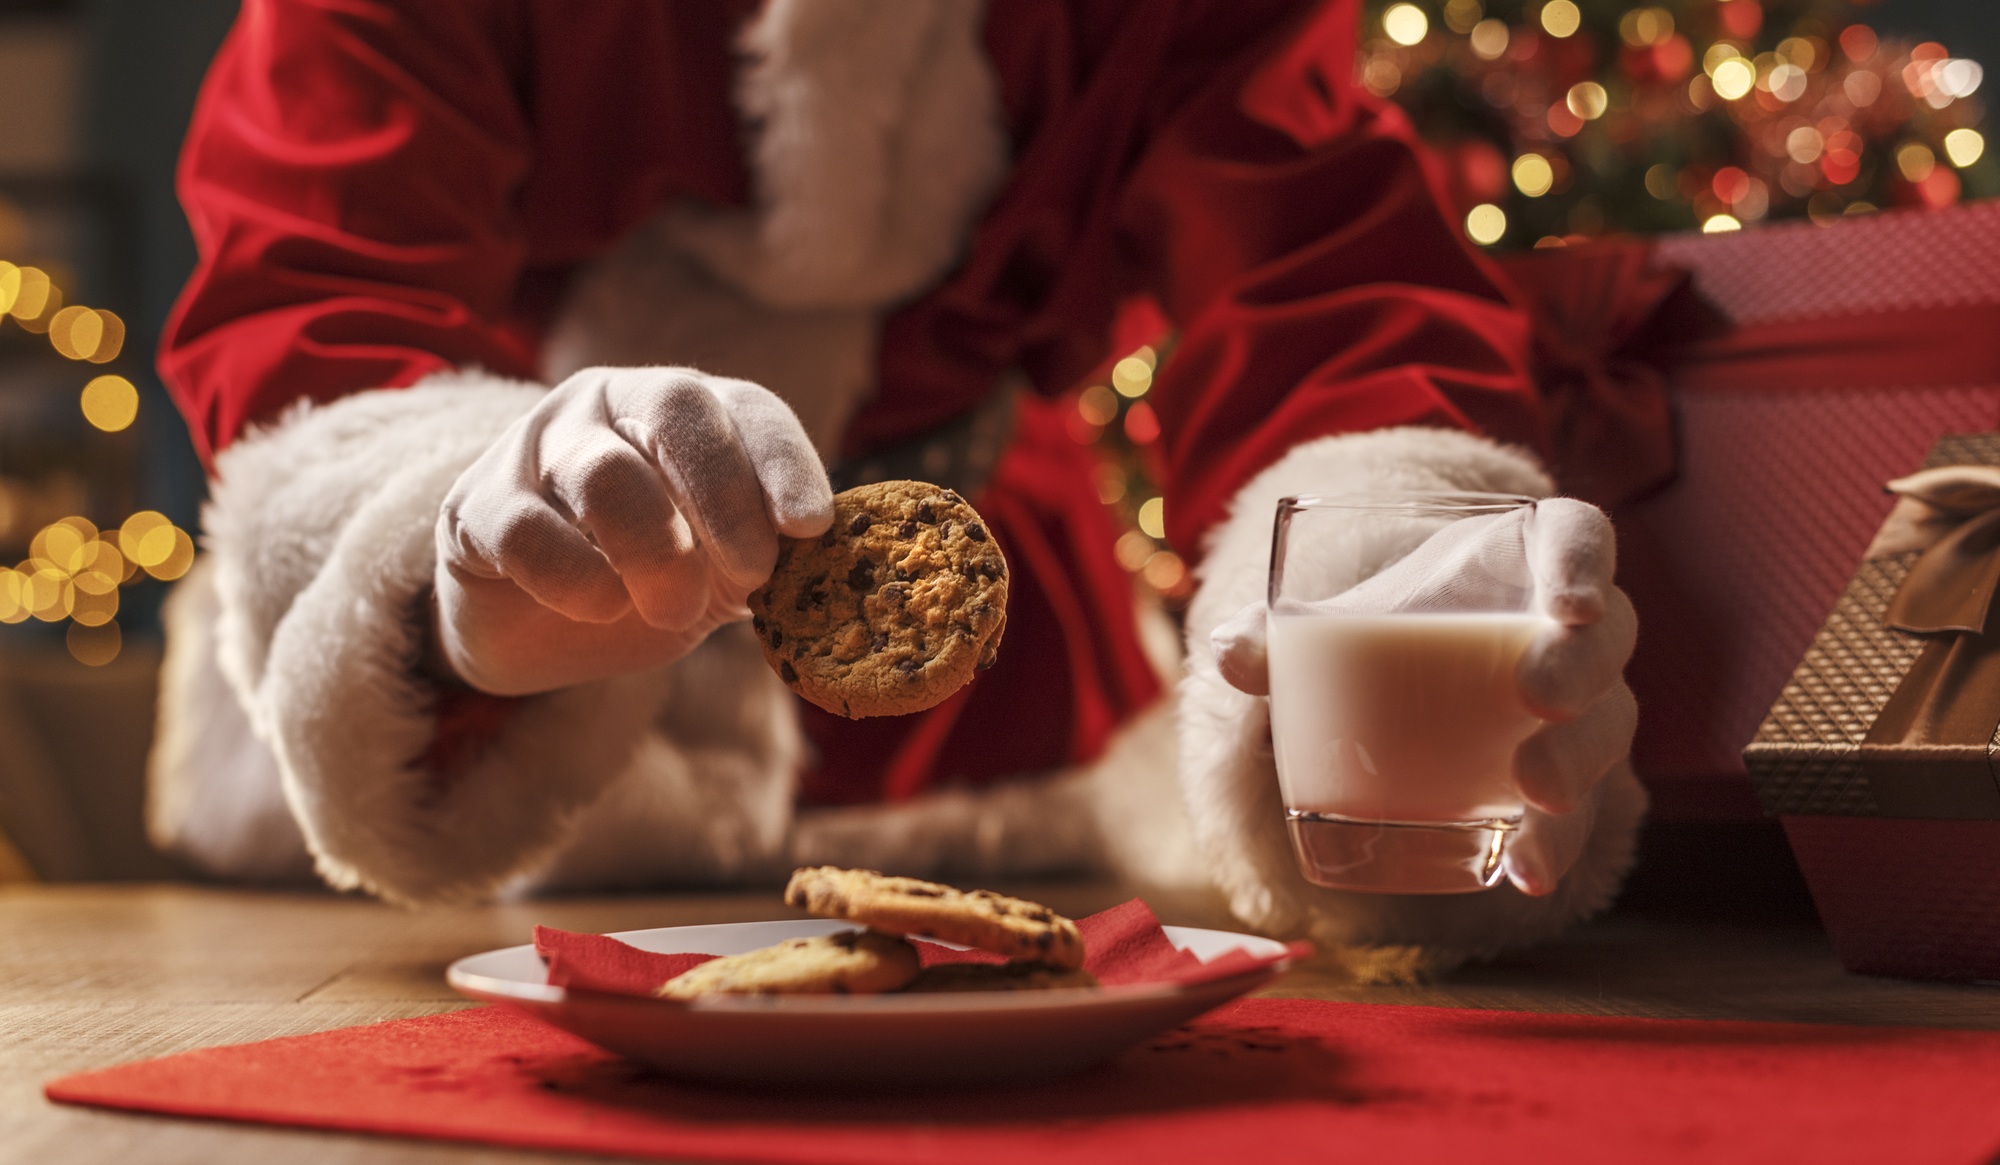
{"points": [[879, 143]]}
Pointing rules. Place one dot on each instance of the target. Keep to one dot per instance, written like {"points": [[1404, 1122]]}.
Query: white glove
{"points": [[1562, 552], [612, 528]]}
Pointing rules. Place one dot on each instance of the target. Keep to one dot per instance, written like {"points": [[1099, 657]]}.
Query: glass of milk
{"points": [[1395, 710]]}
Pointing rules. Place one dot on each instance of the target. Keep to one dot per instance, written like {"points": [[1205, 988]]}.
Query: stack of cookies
{"points": [[1043, 948]]}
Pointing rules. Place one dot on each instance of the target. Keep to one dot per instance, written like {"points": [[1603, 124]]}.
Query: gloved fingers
{"points": [[1241, 652], [788, 468], [1572, 555], [1546, 845], [1567, 667], [619, 499], [1557, 767], [520, 537], [670, 414]]}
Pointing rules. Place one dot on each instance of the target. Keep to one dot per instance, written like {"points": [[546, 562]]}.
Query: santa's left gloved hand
{"points": [[1571, 675]]}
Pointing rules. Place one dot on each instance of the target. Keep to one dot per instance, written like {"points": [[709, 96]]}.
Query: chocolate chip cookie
{"points": [[853, 962], [973, 918], [892, 609], [1014, 976]]}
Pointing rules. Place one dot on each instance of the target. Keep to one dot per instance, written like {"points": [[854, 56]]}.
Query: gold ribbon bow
{"points": [[1938, 723]]}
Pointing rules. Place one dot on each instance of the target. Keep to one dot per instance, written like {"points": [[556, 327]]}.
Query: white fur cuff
{"points": [[321, 528]]}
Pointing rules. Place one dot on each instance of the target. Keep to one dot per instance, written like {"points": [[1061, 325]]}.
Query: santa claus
{"points": [[524, 329]]}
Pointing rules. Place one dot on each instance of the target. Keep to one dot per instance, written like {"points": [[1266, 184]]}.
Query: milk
{"points": [[1407, 717]]}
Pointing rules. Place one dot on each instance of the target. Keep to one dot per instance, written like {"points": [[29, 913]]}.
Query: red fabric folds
{"points": [[1275, 1081]]}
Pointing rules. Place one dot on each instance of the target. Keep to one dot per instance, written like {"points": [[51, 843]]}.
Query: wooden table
{"points": [[97, 975]]}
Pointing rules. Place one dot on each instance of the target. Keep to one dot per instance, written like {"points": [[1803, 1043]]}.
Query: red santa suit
{"points": [[888, 213]]}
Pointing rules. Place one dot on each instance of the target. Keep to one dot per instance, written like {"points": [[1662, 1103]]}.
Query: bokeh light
{"points": [[1733, 79], [1486, 224], [1153, 517], [1588, 100], [1132, 377], [1716, 224], [1915, 161], [1964, 146], [146, 538], [1142, 424], [1489, 39], [1405, 24], [1098, 404], [1561, 18], [111, 403], [1533, 176], [94, 646]]}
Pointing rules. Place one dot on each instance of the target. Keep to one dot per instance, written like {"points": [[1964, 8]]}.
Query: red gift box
{"points": [[1743, 458]]}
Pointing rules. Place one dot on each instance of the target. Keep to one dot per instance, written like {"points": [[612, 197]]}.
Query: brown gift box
{"points": [[1880, 756]]}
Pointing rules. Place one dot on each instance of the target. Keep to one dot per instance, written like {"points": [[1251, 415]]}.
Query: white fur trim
{"points": [[1227, 772], [879, 142]]}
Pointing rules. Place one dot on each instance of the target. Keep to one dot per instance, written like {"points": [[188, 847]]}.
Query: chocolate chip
{"points": [[860, 523], [944, 530], [846, 939], [926, 514], [895, 592], [787, 672], [951, 495], [757, 623], [799, 604], [862, 577], [907, 665], [976, 532], [777, 638], [818, 598], [907, 530], [880, 641], [903, 575], [827, 539], [924, 892], [992, 570]]}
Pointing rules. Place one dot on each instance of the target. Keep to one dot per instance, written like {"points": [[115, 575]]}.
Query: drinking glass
{"points": [[1395, 709]]}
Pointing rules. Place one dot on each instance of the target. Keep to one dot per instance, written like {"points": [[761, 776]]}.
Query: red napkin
{"points": [[1270, 1080], [1121, 945]]}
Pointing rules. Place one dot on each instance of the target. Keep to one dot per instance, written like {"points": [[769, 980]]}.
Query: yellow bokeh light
{"points": [[1717, 224], [1533, 176], [13, 601], [94, 608], [1097, 404], [1964, 146], [111, 403], [1717, 53], [1133, 549], [28, 293], [1163, 570], [1405, 24], [1660, 181], [1561, 18], [1797, 50], [1462, 16], [99, 568], [1915, 160], [1486, 223], [1645, 26], [1786, 82], [60, 545], [49, 595], [1733, 79], [1132, 377], [94, 646], [1144, 353], [1588, 100], [1111, 484], [10, 286], [1153, 517], [85, 333], [1804, 145], [180, 555], [134, 535], [1489, 39]]}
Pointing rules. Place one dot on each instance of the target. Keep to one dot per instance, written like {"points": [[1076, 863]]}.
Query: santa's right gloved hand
{"points": [[1559, 556], [617, 524]]}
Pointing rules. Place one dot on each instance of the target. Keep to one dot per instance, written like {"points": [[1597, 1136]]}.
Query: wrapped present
{"points": [[1832, 360], [1880, 755]]}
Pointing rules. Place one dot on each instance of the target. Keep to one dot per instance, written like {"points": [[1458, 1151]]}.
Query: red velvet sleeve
{"points": [[350, 175], [1285, 222]]}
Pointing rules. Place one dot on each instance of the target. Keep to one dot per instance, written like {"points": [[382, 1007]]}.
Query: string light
{"points": [[110, 403], [1485, 224], [1405, 24], [1561, 18]]}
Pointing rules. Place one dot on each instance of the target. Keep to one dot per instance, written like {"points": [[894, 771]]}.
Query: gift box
{"points": [[1880, 756]]}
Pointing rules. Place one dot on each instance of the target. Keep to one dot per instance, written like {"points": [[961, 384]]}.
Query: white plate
{"points": [[858, 1039]]}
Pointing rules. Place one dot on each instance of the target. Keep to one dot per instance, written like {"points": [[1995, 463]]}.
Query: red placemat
{"points": [[1122, 946], [1270, 1080]]}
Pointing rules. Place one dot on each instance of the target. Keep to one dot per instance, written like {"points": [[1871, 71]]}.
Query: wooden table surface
{"points": [[94, 975]]}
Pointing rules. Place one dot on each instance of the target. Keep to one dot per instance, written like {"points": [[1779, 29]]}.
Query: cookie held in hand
{"points": [[892, 609], [993, 922], [848, 963]]}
